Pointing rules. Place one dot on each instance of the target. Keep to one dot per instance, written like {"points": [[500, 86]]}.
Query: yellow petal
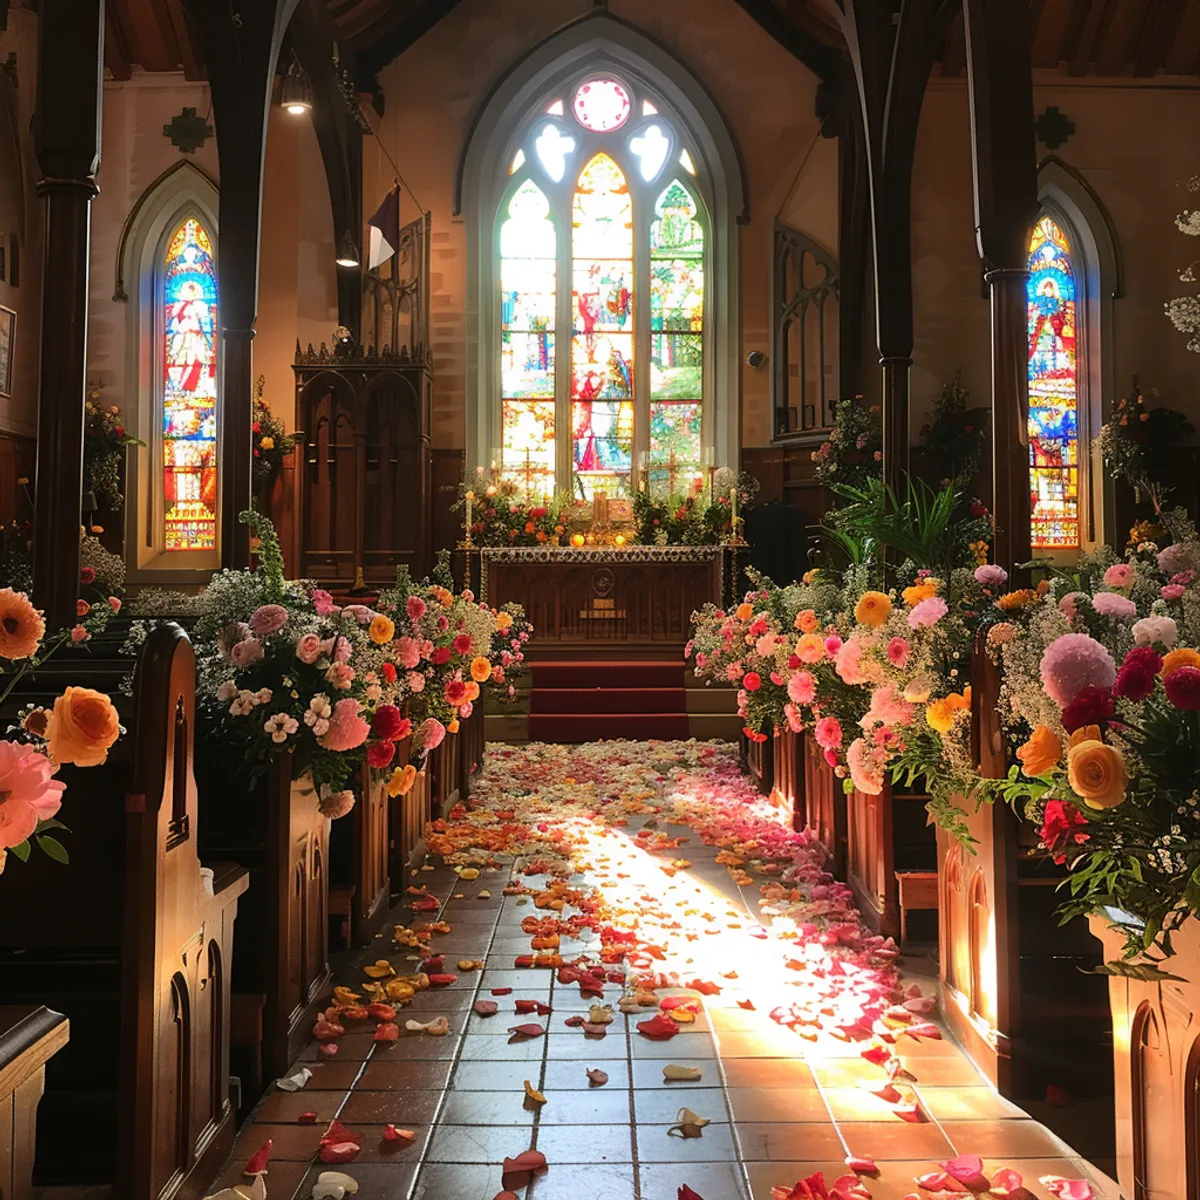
{"points": [[533, 1095]]}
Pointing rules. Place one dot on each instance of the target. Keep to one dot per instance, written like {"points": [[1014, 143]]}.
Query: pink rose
{"points": [[308, 648], [1119, 575], [833, 644], [1173, 591], [28, 793], [897, 652], [114, 603], [247, 652], [430, 735], [802, 688], [415, 607], [828, 732]]}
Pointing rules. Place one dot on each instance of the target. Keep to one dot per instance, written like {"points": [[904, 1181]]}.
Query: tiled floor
{"points": [[780, 1107]]}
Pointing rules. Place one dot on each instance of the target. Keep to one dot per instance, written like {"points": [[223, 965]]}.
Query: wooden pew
{"points": [[825, 804], [758, 760], [281, 964], [787, 773], [30, 1035], [471, 732], [445, 770], [133, 944], [359, 886], [408, 816]]}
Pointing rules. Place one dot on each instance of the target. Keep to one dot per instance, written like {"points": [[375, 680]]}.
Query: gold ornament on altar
{"points": [[577, 540]]}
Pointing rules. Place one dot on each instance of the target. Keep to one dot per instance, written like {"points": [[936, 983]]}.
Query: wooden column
{"points": [[892, 56], [1000, 81], [240, 49], [66, 133]]}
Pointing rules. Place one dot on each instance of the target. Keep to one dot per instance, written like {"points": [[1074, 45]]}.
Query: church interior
{"points": [[671, 524]]}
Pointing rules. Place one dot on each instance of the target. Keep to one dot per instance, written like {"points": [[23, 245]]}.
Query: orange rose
{"points": [[402, 780], [806, 621], [810, 648], [1040, 753], [744, 612], [873, 608], [1174, 659], [472, 690], [82, 726], [21, 625], [1097, 774], [481, 669], [382, 630], [1085, 733]]}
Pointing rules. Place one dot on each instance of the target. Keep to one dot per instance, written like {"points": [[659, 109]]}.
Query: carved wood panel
{"points": [[788, 789], [371, 852], [870, 861], [825, 803], [407, 819]]}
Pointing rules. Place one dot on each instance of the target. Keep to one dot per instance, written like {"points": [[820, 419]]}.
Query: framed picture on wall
{"points": [[8, 327]]}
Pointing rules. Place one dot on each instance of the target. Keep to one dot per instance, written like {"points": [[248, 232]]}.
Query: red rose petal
{"points": [[258, 1160], [658, 1027]]}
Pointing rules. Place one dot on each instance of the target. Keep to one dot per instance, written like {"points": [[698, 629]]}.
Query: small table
{"points": [[30, 1035]]}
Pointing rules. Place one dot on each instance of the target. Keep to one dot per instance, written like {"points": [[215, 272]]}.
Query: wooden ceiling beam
{"points": [[1098, 18], [822, 59], [189, 59], [954, 51], [116, 48], [1156, 36], [390, 45]]}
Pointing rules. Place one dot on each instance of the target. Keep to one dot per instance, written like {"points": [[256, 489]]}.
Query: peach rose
{"points": [[382, 630], [744, 612], [82, 726], [1097, 774], [481, 669], [402, 780], [1040, 753]]}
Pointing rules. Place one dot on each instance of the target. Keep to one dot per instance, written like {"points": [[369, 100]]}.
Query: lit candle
{"points": [[733, 516], [619, 540], [470, 503]]}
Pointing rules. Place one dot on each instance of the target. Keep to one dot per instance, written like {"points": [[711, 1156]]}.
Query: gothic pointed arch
{"points": [[168, 275], [1071, 369], [600, 128]]}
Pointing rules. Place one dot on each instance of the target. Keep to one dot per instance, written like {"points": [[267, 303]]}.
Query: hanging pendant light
{"points": [[347, 254], [295, 93]]}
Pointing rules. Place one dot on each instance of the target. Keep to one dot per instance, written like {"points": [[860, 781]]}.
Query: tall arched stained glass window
{"points": [[189, 404], [602, 232], [1053, 390]]}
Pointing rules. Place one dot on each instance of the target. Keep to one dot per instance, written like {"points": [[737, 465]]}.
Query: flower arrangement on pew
{"points": [[1101, 688], [79, 728], [513, 631]]}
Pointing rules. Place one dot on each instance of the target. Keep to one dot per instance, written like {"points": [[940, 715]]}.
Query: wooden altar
{"points": [[631, 601]]}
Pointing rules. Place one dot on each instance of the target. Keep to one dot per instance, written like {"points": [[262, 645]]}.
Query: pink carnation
{"points": [[897, 652], [322, 602], [268, 619], [849, 662], [865, 773], [1114, 606], [1119, 575], [408, 651], [752, 681], [28, 794], [802, 688], [765, 646], [990, 576], [828, 732], [347, 728], [929, 612], [1073, 662], [430, 735]]}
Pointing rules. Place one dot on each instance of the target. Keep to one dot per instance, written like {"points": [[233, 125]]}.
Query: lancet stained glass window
{"points": [[189, 411], [1053, 390], [592, 202]]}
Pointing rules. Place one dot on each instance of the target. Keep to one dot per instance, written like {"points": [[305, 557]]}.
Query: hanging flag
{"points": [[384, 229]]}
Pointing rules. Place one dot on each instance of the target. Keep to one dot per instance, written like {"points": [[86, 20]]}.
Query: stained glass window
{"points": [[189, 429], [528, 266], [1053, 390], [593, 205]]}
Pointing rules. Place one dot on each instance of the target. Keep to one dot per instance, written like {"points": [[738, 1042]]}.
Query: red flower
{"points": [[1061, 823], [119, 431], [1092, 706], [1183, 688], [87, 575], [462, 644], [440, 655], [379, 754], [751, 681], [389, 723], [1135, 679], [256, 427], [389, 672]]}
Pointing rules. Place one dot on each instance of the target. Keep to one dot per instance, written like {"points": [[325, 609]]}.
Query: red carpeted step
{"points": [[590, 727], [607, 700], [580, 673]]}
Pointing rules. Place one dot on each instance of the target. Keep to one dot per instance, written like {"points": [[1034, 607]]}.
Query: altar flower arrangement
{"points": [[503, 513], [270, 441], [79, 728]]}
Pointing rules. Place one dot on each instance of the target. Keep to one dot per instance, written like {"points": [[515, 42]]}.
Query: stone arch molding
{"points": [[596, 42], [1066, 195], [180, 191]]}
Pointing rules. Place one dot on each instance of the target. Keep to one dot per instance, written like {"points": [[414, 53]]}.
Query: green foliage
{"points": [[104, 442], [268, 553], [1131, 442], [955, 436], [854, 452], [271, 440]]}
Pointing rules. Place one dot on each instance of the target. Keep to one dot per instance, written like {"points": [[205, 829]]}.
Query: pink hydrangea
{"points": [[828, 732], [928, 612], [1175, 558], [268, 619], [865, 772], [1119, 575], [408, 652], [802, 688], [1072, 662], [28, 793], [1115, 607], [897, 652], [347, 728]]}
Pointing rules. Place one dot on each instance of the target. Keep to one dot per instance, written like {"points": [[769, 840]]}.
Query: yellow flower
{"points": [[941, 713], [481, 669], [21, 625], [452, 726], [1040, 753], [267, 443], [83, 725], [402, 780], [1011, 601], [872, 609], [1097, 774], [912, 596], [809, 576], [503, 621], [1174, 659], [744, 612], [382, 630]]}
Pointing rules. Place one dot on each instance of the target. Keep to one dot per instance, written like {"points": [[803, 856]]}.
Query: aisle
{"points": [[659, 855]]}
